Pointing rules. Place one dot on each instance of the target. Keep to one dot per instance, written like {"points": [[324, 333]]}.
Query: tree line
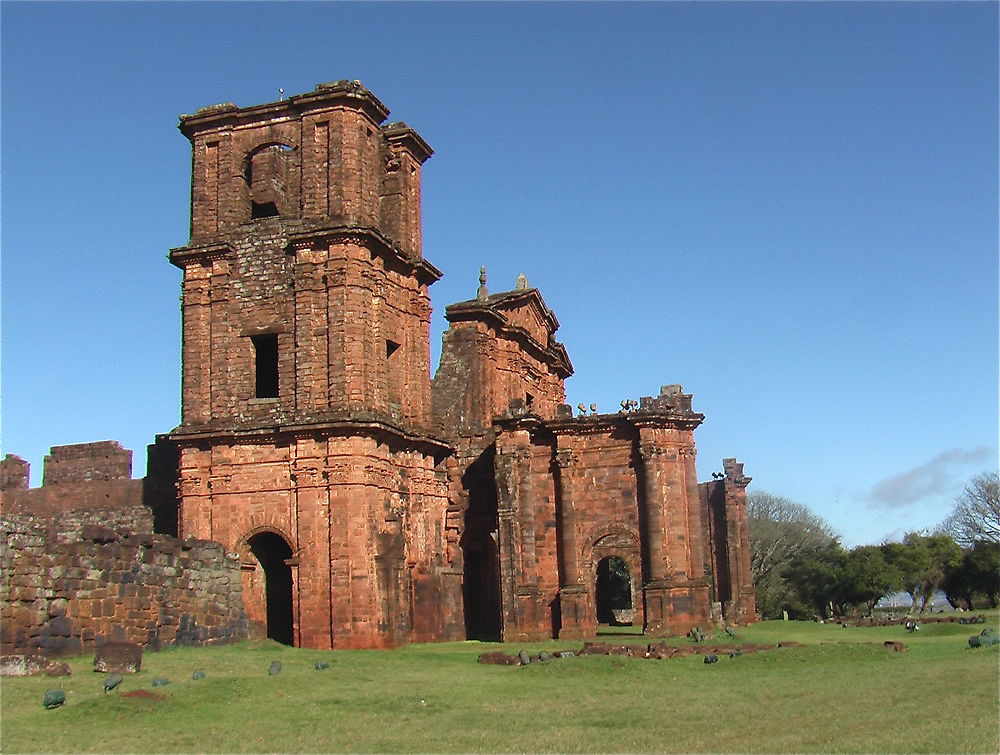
{"points": [[800, 567]]}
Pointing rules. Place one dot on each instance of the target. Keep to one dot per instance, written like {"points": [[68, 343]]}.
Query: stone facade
{"points": [[365, 504]]}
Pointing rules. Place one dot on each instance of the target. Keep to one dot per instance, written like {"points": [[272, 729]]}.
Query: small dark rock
{"points": [[321, 665], [161, 681], [275, 668], [54, 698], [198, 675], [524, 657], [711, 658]]}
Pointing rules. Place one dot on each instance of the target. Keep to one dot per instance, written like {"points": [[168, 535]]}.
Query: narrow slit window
{"points": [[265, 349]]}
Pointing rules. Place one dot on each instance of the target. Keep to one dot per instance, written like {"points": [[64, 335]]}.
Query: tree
{"points": [[923, 561], [866, 577], [976, 578], [976, 515], [814, 577], [780, 530]]}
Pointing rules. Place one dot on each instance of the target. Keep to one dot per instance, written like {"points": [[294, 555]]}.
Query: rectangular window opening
{"points": [[390, 348], [265, 349]]}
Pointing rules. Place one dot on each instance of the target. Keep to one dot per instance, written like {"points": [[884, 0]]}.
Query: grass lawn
{"points": [[833, 694]]}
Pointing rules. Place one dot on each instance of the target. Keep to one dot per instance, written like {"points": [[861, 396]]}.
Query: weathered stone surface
{"points": [[118, 658], [499, 659], [22, 665], [65, 596]]}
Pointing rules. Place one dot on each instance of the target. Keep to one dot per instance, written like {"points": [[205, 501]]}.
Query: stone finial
{"points": [[482, 293], [522, 282]]}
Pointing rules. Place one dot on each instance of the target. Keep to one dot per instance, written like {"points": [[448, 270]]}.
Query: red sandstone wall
{"points": [[367, 527]]}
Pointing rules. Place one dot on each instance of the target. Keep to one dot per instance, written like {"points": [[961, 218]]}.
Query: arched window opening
{"points": [[273, 553], [268, 175], [613, 591]]}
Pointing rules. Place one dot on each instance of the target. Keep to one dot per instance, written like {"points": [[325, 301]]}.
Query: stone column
{"points": [[744, 605], [573, 604], [653, 531], [521, 608]]}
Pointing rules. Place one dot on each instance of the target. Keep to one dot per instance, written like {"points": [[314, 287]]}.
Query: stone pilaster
{"points": [[575, 612]]}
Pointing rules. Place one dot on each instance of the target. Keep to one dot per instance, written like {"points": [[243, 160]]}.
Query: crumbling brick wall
{"points": [[68, 584]]}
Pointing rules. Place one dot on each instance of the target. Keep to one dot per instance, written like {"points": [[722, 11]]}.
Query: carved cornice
{"points": [[184, 255], [324, 96], [393, 435], [370, 237]]}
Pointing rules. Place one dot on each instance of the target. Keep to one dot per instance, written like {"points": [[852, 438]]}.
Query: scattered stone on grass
{"points": [[711, 658], [275, 668], [32, 665], [524, 657], [198, 675], [118, 658], [499, 659], [58, 668], [321, 665], [161, 681], [53, 698]]}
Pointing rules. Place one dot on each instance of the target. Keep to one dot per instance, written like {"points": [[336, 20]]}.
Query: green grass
{"points": [[834, 694]]}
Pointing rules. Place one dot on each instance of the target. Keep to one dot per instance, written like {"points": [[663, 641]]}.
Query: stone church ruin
{"points": [[322, 488]]}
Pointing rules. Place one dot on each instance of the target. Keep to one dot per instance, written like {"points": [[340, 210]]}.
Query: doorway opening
{"points": [[613, 591], [272, 553]]}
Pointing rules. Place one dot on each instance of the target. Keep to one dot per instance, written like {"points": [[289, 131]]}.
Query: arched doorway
{"points": [[272, 553], [612, 589]]}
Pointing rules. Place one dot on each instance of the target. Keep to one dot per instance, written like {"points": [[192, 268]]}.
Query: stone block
{"points": [[118, 658]]}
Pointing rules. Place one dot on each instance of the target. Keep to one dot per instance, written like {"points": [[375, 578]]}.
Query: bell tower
{"points": [[304, 437]]}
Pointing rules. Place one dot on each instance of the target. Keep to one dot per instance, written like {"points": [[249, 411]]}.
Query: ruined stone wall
{"points": [[574, 491], [80, 476], [727, 531], [498, 349], [67, 584]]}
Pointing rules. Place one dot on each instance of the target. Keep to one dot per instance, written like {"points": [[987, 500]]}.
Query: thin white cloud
{"points": [[934, 477]]}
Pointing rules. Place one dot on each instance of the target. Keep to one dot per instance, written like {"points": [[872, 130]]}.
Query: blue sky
{"points": [[789, 208]]}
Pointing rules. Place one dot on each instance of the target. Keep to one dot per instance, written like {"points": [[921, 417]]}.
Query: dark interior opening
{"points": [[613, 590], [263, 210], [481, 590], [272, 552], [266, 365], [390, 348]]}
